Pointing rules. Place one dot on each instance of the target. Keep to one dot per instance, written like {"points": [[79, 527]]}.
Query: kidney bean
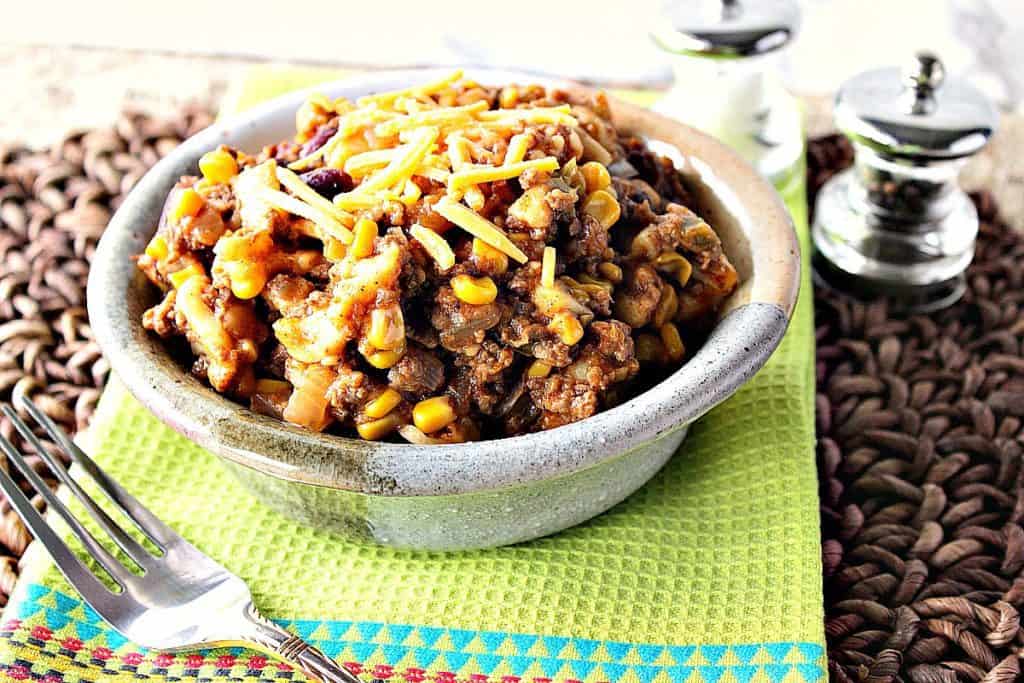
{"points": [[328, 181], [324, 133]]}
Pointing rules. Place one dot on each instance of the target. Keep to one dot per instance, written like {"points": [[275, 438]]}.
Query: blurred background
{"points": [[78, 63]]}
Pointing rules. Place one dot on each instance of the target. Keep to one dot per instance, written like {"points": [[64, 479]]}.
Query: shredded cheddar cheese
{"points": [[458, 151], [349, 124], [327, 222], [478, 226], [401, 167], [301, 190], [362, 164], [447, 116], [517, 148], [559, 114], [435, 245], [415, 91], [362, 202], [547, 271], [475, 175]]}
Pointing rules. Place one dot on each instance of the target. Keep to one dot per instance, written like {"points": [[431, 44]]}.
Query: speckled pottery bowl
{"points": [[470, 495]]}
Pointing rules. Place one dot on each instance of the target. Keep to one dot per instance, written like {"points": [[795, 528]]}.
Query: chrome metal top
{"points": [[915, 113], [727, 28]]}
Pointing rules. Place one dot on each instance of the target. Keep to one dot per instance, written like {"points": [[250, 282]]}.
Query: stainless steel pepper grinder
{"points": [[897, 223], [725, 58]]}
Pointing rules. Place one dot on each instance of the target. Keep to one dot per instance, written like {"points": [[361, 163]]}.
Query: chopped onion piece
{"points": [[594, 150], [413, 435]]}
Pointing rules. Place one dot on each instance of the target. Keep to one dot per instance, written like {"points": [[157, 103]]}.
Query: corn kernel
{"points": [[334, 250], [382, 360], [610, 272], [568, 328], [378, 429], [189, 203], [509, 97], [674, 262], [538, 368], [489, 258], [180, 277], [596, 176], [383, 404], [683, 272], [157, 248], [668, 304], [474, 290], [387, 328], [649, 349], [272, 386], [218, 166], [669, 334], [433, 414], [602, 206], [365, 235], [249, 283]]}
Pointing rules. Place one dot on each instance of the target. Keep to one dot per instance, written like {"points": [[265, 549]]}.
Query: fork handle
{"points": [[288, 647]]}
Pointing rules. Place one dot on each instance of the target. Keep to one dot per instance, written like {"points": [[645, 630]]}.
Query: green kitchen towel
{"points": [[709, 574]]}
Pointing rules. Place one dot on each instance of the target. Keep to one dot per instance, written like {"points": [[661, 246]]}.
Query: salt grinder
{"points": [[897, 223], [726, 55]]}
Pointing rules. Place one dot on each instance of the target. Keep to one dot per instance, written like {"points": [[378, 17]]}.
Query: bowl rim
{"points": [[289, 452]]}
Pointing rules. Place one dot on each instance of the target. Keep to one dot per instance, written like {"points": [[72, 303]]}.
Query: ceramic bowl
{"points": [[470, 495]]}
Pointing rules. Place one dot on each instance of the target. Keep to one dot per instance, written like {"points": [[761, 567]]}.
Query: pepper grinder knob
{"points": [[925, 75], [898, 224]]}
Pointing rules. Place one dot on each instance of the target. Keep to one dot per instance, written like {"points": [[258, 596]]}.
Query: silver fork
{"points": [[182, 600]]}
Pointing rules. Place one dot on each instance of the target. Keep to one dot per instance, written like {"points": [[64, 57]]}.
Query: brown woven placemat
{"points": [[919, 417], [54, 205]]}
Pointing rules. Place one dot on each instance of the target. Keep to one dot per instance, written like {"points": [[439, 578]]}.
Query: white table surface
{"points": [[597, 40], [66, 63]]}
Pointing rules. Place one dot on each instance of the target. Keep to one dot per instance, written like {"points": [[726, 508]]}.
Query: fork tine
{"points": [[129, 545], [74, 571], [148, 523], [115, 569]]}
